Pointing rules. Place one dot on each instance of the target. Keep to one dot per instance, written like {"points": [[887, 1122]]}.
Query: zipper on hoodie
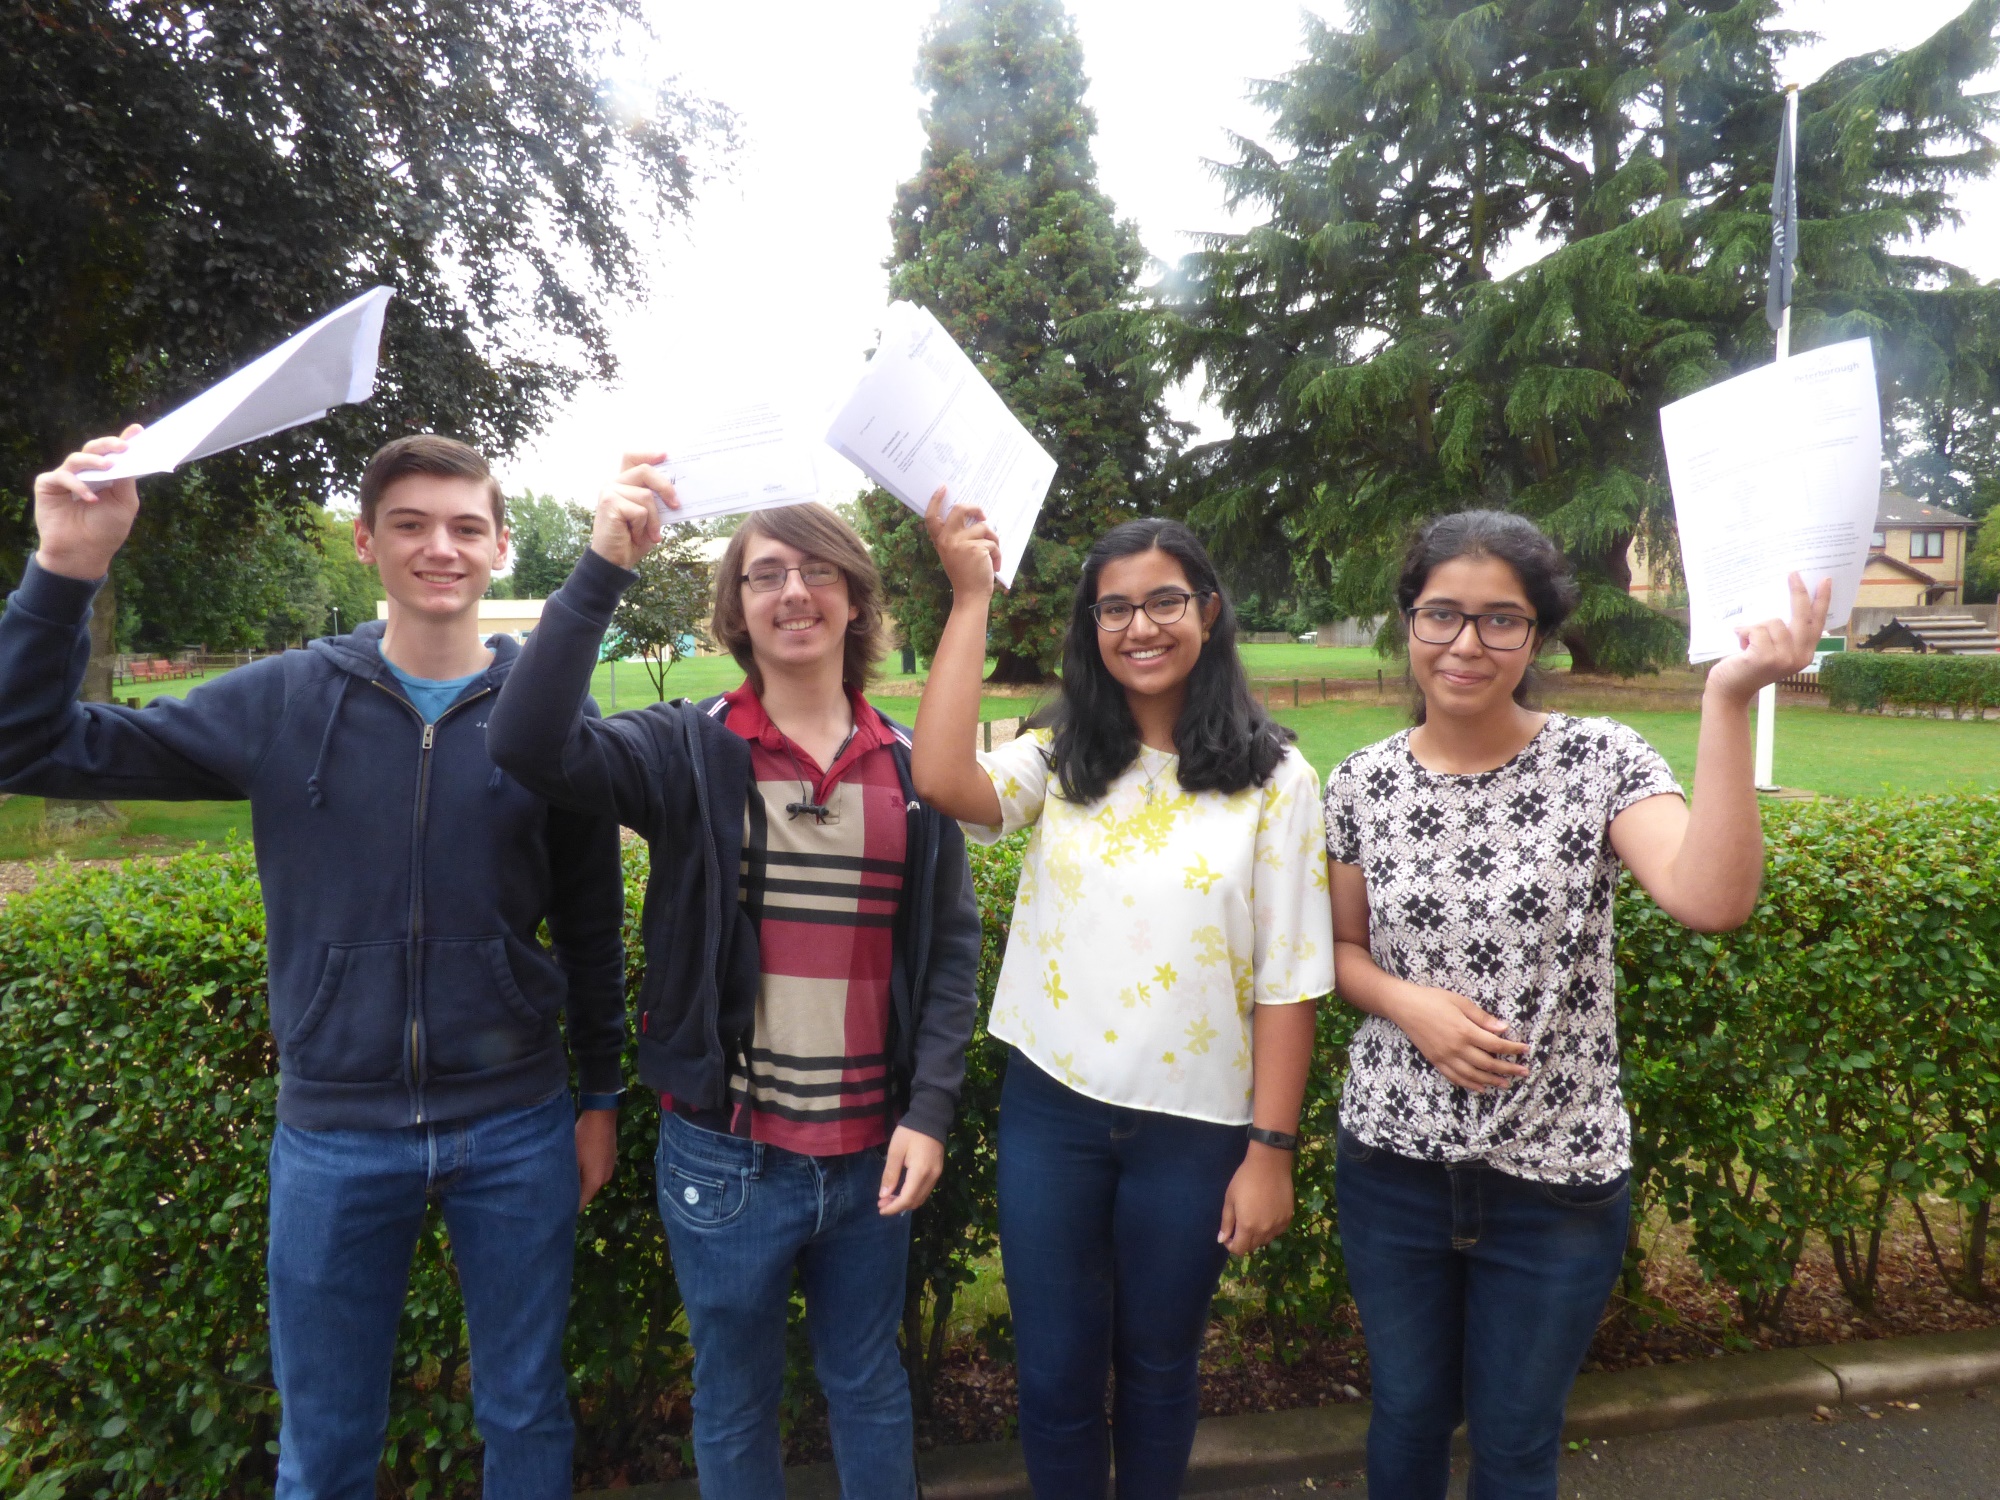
{"points": [[414, 971]]}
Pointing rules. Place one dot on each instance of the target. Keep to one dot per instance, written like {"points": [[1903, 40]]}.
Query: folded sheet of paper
{"points": [[1775, 472], [742, 459], [326, 365], [922, 416]]}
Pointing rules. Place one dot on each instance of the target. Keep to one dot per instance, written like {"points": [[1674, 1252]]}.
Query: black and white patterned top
{"points": [[1497, 886]]}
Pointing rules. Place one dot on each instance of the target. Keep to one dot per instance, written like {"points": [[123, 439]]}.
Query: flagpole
{"points": [[1767, 697]]}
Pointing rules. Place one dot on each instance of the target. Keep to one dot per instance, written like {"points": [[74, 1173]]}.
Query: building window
{"points": [[1877, 541], [1926, 544]]}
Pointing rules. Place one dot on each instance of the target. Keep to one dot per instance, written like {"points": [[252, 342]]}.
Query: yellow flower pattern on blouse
{"points": [[1188, 910]]}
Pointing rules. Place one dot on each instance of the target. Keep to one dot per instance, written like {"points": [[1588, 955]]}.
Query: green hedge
{"points": [[1873, 680], [1799, 1077]]}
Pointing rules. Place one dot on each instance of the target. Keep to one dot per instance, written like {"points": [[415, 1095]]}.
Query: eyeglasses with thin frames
{"points": [[768, 578], [1436, 626], [1163, 608]]}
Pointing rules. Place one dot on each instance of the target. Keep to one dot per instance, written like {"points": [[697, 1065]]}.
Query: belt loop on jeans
{"points": [[1465, 1179]]}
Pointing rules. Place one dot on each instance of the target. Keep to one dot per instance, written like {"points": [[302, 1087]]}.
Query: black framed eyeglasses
{"points": [[1162, 608], [768, 578], [1435, 626]]}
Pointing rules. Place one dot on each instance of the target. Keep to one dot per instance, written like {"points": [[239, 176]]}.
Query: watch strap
{"points": [[588, 1102], [1278, 1139]]}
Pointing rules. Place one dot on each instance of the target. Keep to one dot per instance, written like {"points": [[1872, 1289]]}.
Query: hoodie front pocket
{"points": [[478, 1013], [356, 1028]]}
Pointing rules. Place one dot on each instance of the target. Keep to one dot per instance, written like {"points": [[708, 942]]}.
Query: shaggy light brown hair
{"points": [[819, 533]]}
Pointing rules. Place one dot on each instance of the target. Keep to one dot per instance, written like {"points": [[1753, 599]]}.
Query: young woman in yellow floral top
{"points": [[1171, 931]]}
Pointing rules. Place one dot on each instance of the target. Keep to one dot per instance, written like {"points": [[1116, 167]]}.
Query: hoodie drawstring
{"points": [[313, 793]]}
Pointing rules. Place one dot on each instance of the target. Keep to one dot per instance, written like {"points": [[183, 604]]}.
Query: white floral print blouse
{"points": [[1150, 924]]}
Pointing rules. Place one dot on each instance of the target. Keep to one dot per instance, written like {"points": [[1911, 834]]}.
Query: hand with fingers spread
{"points": [[1467, 1044], [82, 526], [914, 1165], [1775, 649], [966, 544], [629, 523]]}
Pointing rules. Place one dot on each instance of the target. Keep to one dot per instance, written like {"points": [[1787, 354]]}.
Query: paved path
{"points": [[1948, 1449]]}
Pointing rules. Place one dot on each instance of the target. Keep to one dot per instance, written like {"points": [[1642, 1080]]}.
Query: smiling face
{"points": [[1467, 678], [435, 542], [794, 628], [1146, 658]]}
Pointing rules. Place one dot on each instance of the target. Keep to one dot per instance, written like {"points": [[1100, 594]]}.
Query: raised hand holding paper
{"points": [[1775, 472], [922, 416], [327, 365], [743, 459]]}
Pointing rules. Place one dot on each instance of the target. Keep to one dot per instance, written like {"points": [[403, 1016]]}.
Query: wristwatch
{"points": [[1274, 1138], [588, 1102]]}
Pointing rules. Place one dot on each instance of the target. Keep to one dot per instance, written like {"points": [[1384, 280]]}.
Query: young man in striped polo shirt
{"points": [[812, 943]]}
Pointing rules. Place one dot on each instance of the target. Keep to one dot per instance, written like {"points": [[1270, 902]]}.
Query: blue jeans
{"points": [[346, 1208], [740, 1216], [1479, 1294], [1108, 1223]]}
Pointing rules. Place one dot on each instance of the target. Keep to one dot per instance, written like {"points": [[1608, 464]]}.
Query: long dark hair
{"points": [[1545, 574], [1225, 740]]}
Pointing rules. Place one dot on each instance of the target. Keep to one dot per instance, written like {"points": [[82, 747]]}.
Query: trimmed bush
{"points": [[1874, 680], [1794, 1078], [1837, 1052]]}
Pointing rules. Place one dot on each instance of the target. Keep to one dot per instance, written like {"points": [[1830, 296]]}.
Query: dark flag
{"points": [[1784, 217]]}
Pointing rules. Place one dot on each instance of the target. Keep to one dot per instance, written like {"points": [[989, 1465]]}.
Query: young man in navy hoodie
{"points": [[812, 945], [414, 1009]]}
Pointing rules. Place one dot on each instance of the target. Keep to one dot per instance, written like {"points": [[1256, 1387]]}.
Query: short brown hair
{"points": [[426, 453], [817, 532]]}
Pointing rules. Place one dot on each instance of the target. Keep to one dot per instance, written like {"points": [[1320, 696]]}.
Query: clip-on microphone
{"points": [[817, 810]]}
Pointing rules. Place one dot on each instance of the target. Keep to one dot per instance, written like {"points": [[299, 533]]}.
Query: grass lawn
{"points": [[1840, 755], [151, 827], [1347, 662]]}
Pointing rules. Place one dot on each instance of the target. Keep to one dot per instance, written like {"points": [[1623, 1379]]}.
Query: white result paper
{"points": [[1775, 472], [324, 366], [923, 416], [742, 459]]}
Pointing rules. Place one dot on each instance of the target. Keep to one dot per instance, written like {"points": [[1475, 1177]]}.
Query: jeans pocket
{"points": [[1351, 1148], [701, 1195], [1586, 1195]]}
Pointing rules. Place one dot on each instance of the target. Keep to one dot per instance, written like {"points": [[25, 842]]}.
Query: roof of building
{"points": [[1898, 509], [1897, 565]]}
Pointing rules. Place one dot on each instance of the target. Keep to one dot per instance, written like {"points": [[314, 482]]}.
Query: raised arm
{"points": [[539, 731], [944, 761], [52, 745], [1703, 861]]}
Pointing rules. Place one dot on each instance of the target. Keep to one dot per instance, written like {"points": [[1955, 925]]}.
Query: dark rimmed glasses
{"points": [[1497, 632], [1163, 608], [768, 578]]}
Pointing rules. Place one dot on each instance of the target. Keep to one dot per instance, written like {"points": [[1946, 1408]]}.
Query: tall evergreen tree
{"points": [[1377, 372], [1004, 235]]}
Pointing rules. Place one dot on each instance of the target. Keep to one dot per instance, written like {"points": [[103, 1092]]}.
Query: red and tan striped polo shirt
{"points": [[823, 893]]}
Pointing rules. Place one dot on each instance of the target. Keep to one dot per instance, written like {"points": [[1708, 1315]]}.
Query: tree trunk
{"points": [[65, 817], [1011, 669]]}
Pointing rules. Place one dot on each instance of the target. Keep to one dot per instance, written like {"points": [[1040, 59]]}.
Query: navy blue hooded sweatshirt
{"points": [[404, 876], [677, 774]]}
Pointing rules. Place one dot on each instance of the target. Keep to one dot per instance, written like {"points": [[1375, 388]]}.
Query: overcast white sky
{"points": [[775, 288]]}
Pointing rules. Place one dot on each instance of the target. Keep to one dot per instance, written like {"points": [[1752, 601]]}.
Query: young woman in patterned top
{"points": [[1483, 1153], [1170, 933]]}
